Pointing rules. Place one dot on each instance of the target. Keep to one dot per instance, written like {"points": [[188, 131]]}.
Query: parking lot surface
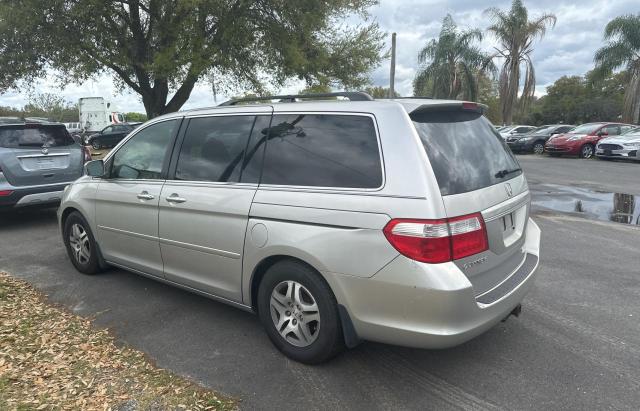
{"points": [[575, 346]]}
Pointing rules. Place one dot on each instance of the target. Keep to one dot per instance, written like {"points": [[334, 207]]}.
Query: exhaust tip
{"points": [[515, 312]]}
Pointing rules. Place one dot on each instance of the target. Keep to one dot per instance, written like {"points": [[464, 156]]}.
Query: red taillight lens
{"points": [[5, 193], [438, 241]]}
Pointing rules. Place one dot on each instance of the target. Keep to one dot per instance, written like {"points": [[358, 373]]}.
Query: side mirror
{"points": [[602, 133], [94, 168]]}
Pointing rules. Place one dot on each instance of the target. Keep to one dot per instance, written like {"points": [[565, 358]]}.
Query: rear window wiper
{"points": [[504, 173]]}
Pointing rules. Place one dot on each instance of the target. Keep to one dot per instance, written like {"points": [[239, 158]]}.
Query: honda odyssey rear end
{"points": [[399, 221]]}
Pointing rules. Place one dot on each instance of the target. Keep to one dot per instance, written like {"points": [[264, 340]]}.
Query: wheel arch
{"points": [[349, 333]]}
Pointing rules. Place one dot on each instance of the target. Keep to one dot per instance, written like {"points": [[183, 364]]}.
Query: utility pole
{"points": [[392, 74]]}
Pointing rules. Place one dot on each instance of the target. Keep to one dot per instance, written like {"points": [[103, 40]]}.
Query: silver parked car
{"points": [[626, 145], [37, 160], [401, 221]]}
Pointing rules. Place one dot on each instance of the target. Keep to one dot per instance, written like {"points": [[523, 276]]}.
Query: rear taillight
{"points": [[438, 241], [87, 153], [5, 193]]}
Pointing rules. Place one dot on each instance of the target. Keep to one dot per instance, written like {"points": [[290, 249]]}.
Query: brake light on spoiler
{"points": [[438, 241]]}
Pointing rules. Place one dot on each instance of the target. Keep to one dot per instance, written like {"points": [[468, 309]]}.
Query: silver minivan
{"points": [[401, 221]]}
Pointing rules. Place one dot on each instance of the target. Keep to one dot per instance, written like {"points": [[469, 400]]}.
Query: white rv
{"points": [[96, 113]]}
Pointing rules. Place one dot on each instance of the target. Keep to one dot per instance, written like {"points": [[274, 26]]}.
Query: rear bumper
{"points": [[32, 195], [431, 306], [629, 153]]}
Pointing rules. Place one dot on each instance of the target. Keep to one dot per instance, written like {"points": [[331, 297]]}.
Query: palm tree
{"points": [[451, 64], [516, 34], [623, 50]]}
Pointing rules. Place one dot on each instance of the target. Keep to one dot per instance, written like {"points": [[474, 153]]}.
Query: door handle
{"points": [[146, 196], [174, 198]]}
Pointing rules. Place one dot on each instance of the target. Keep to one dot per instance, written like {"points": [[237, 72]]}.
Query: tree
{"points": [[135, 117], [162, 48], [516, 34], [379, 92], [451, 64], [622, 50]]}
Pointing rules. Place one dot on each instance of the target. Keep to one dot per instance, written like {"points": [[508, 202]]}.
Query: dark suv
{"points": [[110, 135], [37, 160]]}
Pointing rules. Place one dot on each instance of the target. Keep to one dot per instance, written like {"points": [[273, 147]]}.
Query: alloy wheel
{"points": [[79, 243], [295, 313], [538, 148], [587, 151]]}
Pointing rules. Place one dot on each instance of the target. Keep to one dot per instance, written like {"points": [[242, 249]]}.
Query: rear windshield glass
{"points": [[26, 137], [465, 151]]}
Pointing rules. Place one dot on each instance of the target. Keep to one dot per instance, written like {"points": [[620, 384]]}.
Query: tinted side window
{"points": [[612, 130], [143, 156], [323, 151], [252, 164], [213, 148]]}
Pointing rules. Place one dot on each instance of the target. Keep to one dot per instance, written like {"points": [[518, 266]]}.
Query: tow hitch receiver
{"points": [[515, 312]]}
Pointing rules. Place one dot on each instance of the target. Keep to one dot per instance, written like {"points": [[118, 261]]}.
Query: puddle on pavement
{"points": [[616, 207]]}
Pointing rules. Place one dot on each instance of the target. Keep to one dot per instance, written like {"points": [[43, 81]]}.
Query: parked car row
{"points": [[602, 140]]}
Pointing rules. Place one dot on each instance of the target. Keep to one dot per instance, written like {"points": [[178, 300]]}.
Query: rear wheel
{"points": [[300, 313], [586, 151], [80, 244], [538, 148]]}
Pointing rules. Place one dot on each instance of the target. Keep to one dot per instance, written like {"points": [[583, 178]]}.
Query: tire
{"points": [[81, 245], [538, 148], [96, 145], [303, 338], [587, 151]]}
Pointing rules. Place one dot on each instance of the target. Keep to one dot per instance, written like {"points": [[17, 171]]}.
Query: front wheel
{"points": [[96, 145], [538, 148], [80, 244], [299, 313], [586, 151]]}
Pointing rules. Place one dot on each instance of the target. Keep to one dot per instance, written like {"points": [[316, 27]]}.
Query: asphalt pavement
{"points": [[575, 346]]}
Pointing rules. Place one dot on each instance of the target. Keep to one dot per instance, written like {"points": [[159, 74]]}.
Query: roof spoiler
{"points": [[451, 105], [292, 98]]}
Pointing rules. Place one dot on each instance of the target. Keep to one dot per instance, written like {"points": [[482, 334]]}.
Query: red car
{"points": [[582, 140]]}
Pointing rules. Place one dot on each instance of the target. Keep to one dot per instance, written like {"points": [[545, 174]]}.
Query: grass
{"points": [[53, 360]]}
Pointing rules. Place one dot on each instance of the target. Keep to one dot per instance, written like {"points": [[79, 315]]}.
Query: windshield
{"points": [[544, 130], [21, 136], [586, 129], [465, 151]]}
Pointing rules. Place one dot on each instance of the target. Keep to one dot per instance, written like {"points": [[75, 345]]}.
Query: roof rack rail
{"points": [[291, 98]]}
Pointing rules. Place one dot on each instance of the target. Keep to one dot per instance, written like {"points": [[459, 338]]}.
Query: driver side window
{"points": [[143, 156]]}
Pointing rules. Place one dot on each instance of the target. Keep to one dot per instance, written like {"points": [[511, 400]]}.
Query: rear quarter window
{"points": [[465, 151], [323, 150]]}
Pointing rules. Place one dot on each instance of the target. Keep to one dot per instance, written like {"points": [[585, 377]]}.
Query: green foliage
{"points": [[622, 51], [162, 48], [45, 105], [380, 92], [136, 117], [515, 34], [577, 100], [451, 64]]}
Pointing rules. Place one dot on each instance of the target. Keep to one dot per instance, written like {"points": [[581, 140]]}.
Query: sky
{"points": [[568, 49]]}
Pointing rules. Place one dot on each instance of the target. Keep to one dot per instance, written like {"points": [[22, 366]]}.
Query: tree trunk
{"points": [[511, 96], [631, 105]]}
